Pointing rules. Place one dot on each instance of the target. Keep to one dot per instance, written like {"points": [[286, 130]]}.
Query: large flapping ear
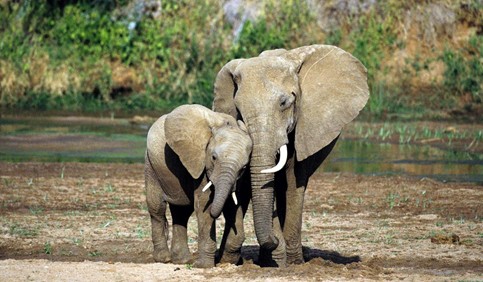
{"points": [[225, 89], [187, 130], [334, 89]]}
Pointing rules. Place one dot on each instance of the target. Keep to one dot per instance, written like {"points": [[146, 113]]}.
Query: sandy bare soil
{"points": [[88, 222]]}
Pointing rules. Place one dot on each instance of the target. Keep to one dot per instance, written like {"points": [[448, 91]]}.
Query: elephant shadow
{"points": [[250, 253]]}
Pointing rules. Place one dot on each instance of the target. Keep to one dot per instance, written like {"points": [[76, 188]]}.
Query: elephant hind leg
{"points": [[160, 237], [157, 211], [180, 252]]}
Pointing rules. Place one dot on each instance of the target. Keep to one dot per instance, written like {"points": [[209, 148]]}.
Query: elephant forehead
{"points": [[227, 119], [237, 153], [231, 136], [267, 66]]}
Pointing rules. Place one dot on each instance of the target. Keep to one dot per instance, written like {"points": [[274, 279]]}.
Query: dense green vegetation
{"points": [[95, 56]]}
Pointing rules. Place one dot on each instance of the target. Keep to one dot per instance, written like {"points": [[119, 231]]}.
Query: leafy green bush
{"points": [[464, 70], [288, 25], [371, 39], [88, 32]]}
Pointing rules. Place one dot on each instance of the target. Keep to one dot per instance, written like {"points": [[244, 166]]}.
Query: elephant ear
{"points": [[334, 89], [225, 89], [187, 130]]}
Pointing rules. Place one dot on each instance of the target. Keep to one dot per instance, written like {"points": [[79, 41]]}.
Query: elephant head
{"points": [[312, 90], [211, 142]]}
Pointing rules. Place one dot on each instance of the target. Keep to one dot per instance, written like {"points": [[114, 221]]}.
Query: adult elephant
{"points": [[294, 102]]}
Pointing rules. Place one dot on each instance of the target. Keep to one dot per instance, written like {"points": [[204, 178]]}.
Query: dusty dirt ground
{"points": [[88, 222]]}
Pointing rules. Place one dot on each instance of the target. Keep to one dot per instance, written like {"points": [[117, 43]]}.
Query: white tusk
{"points": [[235, 200], [281, 162], [206, 186]]}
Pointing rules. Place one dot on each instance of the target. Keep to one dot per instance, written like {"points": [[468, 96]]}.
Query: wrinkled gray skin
{"points": [[184, 149], [301, 98]]}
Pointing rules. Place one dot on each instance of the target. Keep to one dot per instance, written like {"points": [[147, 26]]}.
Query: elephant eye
{"points": [[237, 78], [213, 157], [285, 102]]}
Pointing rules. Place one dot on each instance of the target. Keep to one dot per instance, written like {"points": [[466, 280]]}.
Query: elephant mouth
{"points": [[233, 191]]}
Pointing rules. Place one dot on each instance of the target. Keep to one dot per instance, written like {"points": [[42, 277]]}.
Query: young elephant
{"points": [[189, 150]]}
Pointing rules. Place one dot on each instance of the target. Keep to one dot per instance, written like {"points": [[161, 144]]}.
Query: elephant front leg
{"points": [[233, 235], [277, 257], [292, 225], [180, 252], [206, 231]]}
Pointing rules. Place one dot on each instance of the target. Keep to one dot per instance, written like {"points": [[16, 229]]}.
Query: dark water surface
{"points": [[414, 160], [119, 140]]}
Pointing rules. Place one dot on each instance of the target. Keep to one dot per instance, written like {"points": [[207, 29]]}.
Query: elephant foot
{"points": [[233, 258], [161, 255], [181, 258], [269, 259], [204, 263], [295, 256], [295, 259]]}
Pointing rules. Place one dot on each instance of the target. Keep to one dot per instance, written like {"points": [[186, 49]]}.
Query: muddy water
{"points": [[72, 139], [122, 140], [414, 160]]}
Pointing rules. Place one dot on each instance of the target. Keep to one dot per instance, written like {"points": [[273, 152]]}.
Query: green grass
{"points": [[109, 188], [392, 200], [73, 213], [95, 253], [142, 233], [36, 210], [48, 248], [17, 230], [7, 183], [413, 132]]}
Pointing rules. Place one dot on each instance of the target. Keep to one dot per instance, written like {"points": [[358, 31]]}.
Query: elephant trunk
{"points": [[263, 193], [224, 185]]}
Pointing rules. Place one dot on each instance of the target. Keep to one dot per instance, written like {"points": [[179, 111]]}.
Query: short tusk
{"points": [[235, 200], [281, 162], [207, 186]]}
